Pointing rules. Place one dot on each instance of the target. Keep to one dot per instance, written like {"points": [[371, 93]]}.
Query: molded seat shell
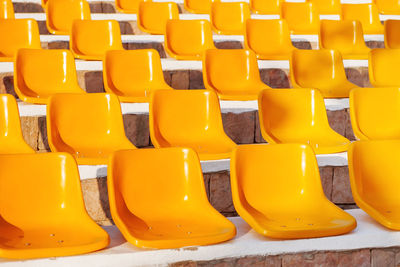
{"points": [[60, 14], [128, 6], [88, 126], [367, 14], [41, 73], [188, 39], [90, 39], [133, 74], [229, 18], [322, 70], [163, 207], [16, 34], [302, 18], [153, 16], [375, 113], [6, 9], [199, 6], [298, 116], [277, 190], [345, 36], [383, 65], [392, 34], [189, 118], [388, 7], [42, 213], [266, 7], [276, 45], [327, 7], [232, 73], [374, 179], [11, 139]]}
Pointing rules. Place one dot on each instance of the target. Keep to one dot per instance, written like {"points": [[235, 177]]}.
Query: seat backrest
{"points": [[128, 6], [287, 112], [61, 13], [10, 125], [229, 68], [229, 18], [392, 33], [92, 38], [327, 7], [341, 34], [171, 189], [188, 39], [302, 18], [6, 9], [267, 7], [387, 7], [383, 67], [270, 178], [375, 113], [16, 34], [198, 6], [153, 16], [43, 187], [180, 116], [367, 14], [129, 71]]}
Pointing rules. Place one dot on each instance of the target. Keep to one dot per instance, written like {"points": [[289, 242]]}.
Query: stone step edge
{"points": [[247, 243], [210, 166]]}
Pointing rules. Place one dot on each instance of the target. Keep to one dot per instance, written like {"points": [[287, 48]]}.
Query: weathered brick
{"points": [[42, 27], [220, 192], [359, 258], [275, 78], [126, 27], [27, 8], [257, 133], [7, 84], [325, 259], [137, 129], [180, 79], [58, 45], [358, 76], [240, 127], [259, 261], [196, 79], [326, 174], [338, 120], [95, 7], [152, 45], [305, 45], [43, 143], [94, 82], [30, 131], [341, 191], [375, 44], [229, 45], [349, 130], [108, 7], [382, 257]]}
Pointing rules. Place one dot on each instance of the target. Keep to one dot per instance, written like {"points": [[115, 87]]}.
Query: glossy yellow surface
{"points": [[367, 14], [266, 7], [232, 73], [374, 179], [277, 190], [388, 7], [302, 18], [199, 6], [383, 67], [298, 116], [6, 9], [276, 45], [128, 6], [345, 36], [189, 118], [90, 39], [88, 126], [133, 74], [16, 34], [188, 39], [375, 113], [61, 13], [322, 70], [166, 206], [152, 16], [11, 139], [327, 7], [42, 213], [392, 33], [32, 81], [229, 18]]}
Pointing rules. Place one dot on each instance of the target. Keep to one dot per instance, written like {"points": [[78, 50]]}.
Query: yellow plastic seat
{"points": [[322, 70], [41, 73], [302, 18], [374, 179], [198, 6], [61, 13], [11, 139], [133, 74], [367, 14], [327, 7], [232, 73], [276, 45], [6, 9], [375, 113], [383, 67], [16, 34], [189, 118], [345, 36], [277, 190], [128, 6], [298, 116], [188, 39], [388, 7], [153, 16], [42, 213], [392, 33], [88, 126], [266, 7], [166, 206], [229, 17], [90, 39]]}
